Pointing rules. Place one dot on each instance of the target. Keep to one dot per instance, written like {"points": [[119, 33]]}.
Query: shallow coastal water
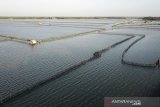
{"points": [[22, 65]]}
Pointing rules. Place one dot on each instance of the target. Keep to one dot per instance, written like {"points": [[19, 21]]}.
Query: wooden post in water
{"points": [[157, 63]]}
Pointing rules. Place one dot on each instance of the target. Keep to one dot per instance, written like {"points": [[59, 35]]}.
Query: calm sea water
{"points": [[22, 66]]}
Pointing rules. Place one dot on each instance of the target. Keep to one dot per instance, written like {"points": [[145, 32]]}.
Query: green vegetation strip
{"points": [[152, 18]]}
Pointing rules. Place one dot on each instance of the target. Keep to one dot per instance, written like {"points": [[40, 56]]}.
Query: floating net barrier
{"points": [[85, 25], [81, 24], [3, 39], [141, 36], [158, 25], [70, 36], [28, 90], [96, 55], [71, 23], [151, 28], [156, 64], [139, 26], [35, 42], [135, 24], [73, 26], [13, 38]]}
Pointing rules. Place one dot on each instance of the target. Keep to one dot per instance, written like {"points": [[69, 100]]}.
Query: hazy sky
{"points": [[79, 7]]}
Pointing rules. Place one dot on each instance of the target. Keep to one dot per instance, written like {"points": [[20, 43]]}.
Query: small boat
{"points": [[32, 42], [97, 54]]}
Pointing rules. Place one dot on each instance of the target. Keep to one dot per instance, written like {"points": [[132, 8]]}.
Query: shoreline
{"points": [[50, 17]]}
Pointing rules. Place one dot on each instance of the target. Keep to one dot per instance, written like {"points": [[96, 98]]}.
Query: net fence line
{"points": [[4, 38], [34, 42], [100, 29], [96, 55], [28, 90], [76, 26], [39, 41], [125, 61], [73, 22], [147, 28], [138, 26], [70, 35]]}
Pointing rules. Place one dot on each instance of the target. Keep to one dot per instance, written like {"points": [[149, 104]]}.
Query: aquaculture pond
{"points": [[22, 66]]}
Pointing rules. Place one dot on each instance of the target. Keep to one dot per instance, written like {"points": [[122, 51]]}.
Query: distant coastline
{"points": [[39, 17], [152, 18], [46, 17]]}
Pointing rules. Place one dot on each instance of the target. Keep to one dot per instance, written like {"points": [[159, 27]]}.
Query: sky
{"points": [[79, 7]]}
